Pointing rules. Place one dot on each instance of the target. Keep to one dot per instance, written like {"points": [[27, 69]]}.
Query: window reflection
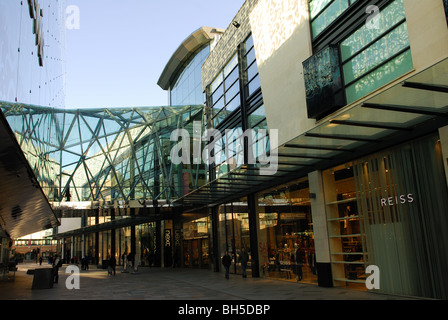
{"points": [[286, 233]]}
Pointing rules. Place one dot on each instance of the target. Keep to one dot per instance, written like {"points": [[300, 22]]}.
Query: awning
{"points": [[24, 209], [412, 108]]}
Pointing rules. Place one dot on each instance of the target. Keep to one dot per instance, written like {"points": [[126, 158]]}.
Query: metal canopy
{"points": [[395, 115], [24, 209]]}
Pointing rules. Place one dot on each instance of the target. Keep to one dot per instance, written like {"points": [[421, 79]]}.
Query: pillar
{"points": [[443, 133], [253, 228], [320, 229]]}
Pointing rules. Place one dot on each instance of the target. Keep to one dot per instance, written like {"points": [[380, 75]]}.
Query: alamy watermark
{"points": [[374, 18], [72, 18], [73, 280], [226, 148], [373, 279]]}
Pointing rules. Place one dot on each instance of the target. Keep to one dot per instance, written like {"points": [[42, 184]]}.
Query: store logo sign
{"points": [[36, 14], [167, 237], [397, 200]]}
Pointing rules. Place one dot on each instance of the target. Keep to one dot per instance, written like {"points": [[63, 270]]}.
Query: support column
{"points": [[113, 248], [253, 227], [443, 133], [320, 229], [97, 239], [215, 240], [72, 248]]}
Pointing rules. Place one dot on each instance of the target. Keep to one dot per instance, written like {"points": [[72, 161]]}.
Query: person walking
{"points": [[244, 259], [57, 263], [226, 262], [112, 265], [299, 263]]}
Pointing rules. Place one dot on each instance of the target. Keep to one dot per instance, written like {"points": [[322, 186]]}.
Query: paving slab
{"points": [[173, 284]]}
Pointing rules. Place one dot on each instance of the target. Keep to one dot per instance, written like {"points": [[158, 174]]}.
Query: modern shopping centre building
{"points": [[351, 173]]}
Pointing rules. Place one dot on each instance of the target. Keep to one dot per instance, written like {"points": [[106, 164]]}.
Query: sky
{"points": [[118, 53]]}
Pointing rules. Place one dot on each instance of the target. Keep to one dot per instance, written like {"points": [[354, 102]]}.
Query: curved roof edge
{"points": [[195, 41]]}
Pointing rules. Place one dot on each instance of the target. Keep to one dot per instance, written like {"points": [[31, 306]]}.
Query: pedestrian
{"points": [[112, 266], [226, 262], [299, 263], [244, 259], [57, 263], [40, 261]]}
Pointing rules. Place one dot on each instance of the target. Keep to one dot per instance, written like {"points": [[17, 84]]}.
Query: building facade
{"points": [[358, 96], [325, 135], [32, 57]]}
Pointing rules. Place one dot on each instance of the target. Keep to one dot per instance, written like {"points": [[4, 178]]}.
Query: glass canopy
{"points": [[105, 155]]}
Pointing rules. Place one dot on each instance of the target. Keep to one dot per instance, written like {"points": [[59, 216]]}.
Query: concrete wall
{"points": [[428, 32], [282, 40]]}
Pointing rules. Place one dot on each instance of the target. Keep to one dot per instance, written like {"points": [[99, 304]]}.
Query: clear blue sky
{"points": [[121, 48]]}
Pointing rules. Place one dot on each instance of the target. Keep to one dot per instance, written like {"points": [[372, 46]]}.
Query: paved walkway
{"points": [[173, 284]]}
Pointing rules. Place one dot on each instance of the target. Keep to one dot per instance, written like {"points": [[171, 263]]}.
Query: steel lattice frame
{"points": [[106, 154]]}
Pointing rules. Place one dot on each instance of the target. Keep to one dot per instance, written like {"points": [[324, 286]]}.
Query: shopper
{"points": [[244, 259], [112, 266], [226, 262], [299, 263], [57, 263]]}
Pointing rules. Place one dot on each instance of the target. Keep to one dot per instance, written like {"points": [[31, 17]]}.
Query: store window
{"points": [[145, 235], [196, 248], [286, 237], [234, 233], [403, 204], [344, 229]]}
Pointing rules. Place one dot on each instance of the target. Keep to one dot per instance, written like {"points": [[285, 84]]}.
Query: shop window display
{"points": [[388, 210], [235, 234], [345, 234], [196, 243], [286, 238]]}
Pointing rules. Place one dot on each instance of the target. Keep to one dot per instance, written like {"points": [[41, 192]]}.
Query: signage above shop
{"points": [[37, 14], [397, 200]]}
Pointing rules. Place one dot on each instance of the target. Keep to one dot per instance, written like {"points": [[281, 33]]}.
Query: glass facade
{"points": [[238, 111], [234, 233], [225, 97], [286, 238], [32, 60], [196, 243], [373, 57], [354, 65], [324, 12], [187, 90]]}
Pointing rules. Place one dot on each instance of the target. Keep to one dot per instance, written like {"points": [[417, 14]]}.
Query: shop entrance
{"points": [[286, 237], [234, 234], [195, 253], [389, 210]]}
